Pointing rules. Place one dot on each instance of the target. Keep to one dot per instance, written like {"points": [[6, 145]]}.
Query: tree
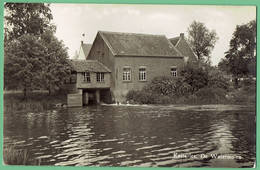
{"points": [[202, 40], [55, 67], [22, 63], [33, 57], [240, 59], [194, 75], [27, 18]]}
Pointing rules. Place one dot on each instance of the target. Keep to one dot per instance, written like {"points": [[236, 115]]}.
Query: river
{"points": [[142, 136]]}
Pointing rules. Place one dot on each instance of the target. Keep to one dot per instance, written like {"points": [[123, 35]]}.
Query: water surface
{"points": [[143, 136]]}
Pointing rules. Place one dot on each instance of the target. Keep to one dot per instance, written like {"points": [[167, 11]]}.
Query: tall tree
{"points": [[55, 66], [202, 40], [23, 60], [240, 59], [33, 57]]}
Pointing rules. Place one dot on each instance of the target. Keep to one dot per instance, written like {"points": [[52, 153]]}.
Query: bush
{"points": [[244, 96], [211, 95], [142, 97], [249, 85], [161, 85], [183, 89], [194, 75], [218, 79]]}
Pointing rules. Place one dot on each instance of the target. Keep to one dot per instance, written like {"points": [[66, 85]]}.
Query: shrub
{"points": [[194, 75], [218, 79], [161, 85], [211, 95], [183, 89], [144, 97], [249, 85], [132, 95], [245, 96]]}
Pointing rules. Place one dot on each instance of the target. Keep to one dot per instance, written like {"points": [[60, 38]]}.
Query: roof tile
{"points": [[139, 44], [88, 65]]}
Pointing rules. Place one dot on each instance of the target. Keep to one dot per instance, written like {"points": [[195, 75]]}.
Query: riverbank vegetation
{"points": [[35, 101], [196, 84]]}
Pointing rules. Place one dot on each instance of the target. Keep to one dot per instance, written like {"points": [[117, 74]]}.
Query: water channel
{"points": [[142, 136]]}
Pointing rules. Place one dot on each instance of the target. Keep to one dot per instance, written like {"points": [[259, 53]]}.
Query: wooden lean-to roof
{"points": [[134, 44], [88, 66]]}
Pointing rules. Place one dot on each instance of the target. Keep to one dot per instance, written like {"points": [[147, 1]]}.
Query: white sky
{"points": [[73, 20]]}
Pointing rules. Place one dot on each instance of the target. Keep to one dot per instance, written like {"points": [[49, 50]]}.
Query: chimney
{"points": [[182, 35], [81, 42]]}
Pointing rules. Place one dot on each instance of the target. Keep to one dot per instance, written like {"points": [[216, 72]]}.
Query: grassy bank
{"points": [[34, 101]]}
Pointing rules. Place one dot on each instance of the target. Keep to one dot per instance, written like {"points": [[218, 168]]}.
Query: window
{"points": [[174, 71], [86, 76], [126, 74], [142, 73], [100, 77]]}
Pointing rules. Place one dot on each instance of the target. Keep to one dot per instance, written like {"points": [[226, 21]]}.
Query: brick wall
{"points": [[155, 66]]}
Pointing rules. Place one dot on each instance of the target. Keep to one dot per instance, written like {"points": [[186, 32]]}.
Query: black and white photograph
{"points": [[129, 85]]}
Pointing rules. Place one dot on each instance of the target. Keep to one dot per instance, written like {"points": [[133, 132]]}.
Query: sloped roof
{"points": [[134, 44], [88, 65], [86, 49], [183, 47], [174, 40]]}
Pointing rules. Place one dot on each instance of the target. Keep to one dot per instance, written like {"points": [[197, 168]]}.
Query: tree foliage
{"points": [[27, 18], [202, 40], [240, 59], [194, 75], [55, 67], [162, 85], [33, 57], [22, 62]]}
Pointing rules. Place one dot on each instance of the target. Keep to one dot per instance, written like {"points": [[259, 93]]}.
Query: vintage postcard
{"points": [[127, 85]]}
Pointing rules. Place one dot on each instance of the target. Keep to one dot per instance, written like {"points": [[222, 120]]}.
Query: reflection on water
{"points": [[147, 136]]}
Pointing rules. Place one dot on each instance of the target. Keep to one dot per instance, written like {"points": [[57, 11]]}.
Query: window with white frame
{"points": [[126, 74], [142, 74], [174, 71], [86, 76], [100, 77]]}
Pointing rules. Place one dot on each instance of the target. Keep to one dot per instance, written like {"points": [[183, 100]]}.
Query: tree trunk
{"points": [[49, 91]]}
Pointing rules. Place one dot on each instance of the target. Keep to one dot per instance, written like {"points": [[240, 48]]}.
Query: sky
{"points": [[74, 20]]}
